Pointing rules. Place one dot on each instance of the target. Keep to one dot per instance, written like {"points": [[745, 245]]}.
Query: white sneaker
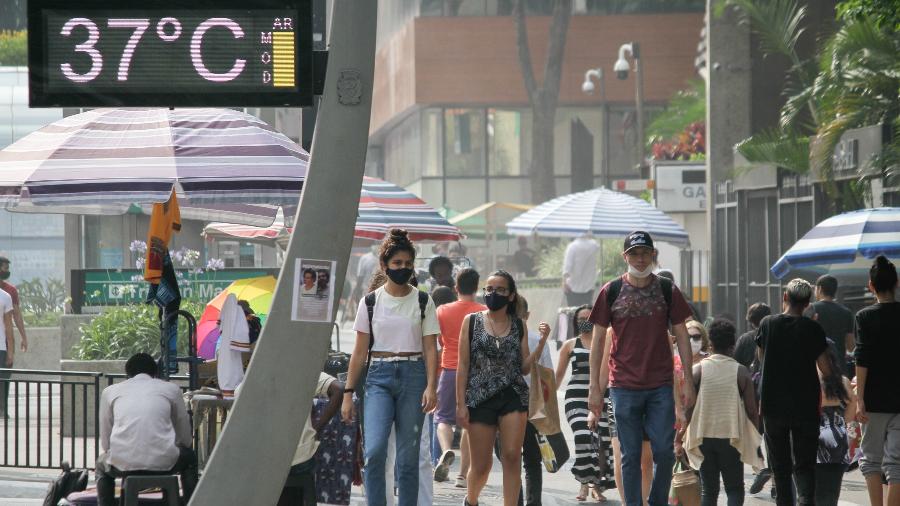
{"points": [[442, 471], [460, 482]]}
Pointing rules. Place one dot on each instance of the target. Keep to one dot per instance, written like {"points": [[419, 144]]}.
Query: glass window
{"points": [[247, 254], [622, 148], [637, 6], [103, 247], [432, 145], [402, 152], [464, 138], [509, 146], [568, 118]]}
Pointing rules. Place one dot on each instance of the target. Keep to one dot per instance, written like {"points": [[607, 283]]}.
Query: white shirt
{"points": [[308, 291], [581, 264], [533, 339], [6, 306], [397, 321], [306, 448], [143, 421]]}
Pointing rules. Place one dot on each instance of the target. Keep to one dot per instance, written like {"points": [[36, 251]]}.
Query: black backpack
{"points": [[71, 480], [615, 286], [370, 309]]}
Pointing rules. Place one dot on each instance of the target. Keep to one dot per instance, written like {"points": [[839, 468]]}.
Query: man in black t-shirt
{"points": [[835, 318], [790, 347]]}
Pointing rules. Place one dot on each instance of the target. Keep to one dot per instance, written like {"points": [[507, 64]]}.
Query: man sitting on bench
{"points": [[144, 429]]}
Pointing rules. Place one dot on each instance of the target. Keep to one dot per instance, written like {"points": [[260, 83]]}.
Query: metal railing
{"points": [[51, 417]]}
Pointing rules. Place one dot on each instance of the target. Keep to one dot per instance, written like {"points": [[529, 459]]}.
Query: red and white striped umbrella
{"points": [[382, 206]]}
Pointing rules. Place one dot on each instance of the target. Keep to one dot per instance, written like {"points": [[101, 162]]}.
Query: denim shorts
{"points": [[502, 403]]}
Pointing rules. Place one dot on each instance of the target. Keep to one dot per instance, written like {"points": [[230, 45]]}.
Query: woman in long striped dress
{"points": [[593, 454]]}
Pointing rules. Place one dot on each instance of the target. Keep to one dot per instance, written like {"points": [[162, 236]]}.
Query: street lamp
{"points": [[621, 68]]}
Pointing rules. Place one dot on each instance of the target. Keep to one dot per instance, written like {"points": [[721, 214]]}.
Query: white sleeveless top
{"points": [[720, 413]]}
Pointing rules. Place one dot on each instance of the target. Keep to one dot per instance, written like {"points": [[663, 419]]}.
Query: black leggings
{"points": [[720, 458]]}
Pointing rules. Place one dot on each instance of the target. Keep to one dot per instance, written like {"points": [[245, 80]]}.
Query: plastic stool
{"points": [[134, 483]]}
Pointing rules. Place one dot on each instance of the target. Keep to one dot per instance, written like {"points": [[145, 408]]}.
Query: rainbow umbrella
{"points": [[257, 291]]}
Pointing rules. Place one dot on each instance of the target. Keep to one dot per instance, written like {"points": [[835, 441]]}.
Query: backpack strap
{"points": [[370, 310], [520, 328], [612, 293], [667, 287], [423, 303]]}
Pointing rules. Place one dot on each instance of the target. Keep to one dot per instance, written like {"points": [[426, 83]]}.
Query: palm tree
{"points": [[855, 82]]}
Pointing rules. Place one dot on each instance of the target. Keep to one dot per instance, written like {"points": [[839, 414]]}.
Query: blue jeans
{"points": [[651, 411], [393, 397], [435, 447]]}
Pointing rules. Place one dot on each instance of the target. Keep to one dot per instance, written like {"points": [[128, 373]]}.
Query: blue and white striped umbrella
{"points": [[842, 238], [604, 213]]}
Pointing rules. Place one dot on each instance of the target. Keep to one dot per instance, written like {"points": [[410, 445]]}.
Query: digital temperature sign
{"points": [[213, 53]]}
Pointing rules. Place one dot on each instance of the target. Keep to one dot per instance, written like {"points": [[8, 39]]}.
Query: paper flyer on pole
{"points": [[313, 299]]}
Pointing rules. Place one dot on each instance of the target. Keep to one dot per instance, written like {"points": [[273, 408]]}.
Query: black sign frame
{"points": [[41, 96]]}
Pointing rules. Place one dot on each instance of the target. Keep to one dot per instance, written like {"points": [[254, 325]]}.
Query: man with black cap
{"points": [[640, 307]]}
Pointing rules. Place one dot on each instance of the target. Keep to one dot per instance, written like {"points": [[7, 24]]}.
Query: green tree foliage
{"points": [[884, 13], [853, 82], [684, 108], [13, 48]]}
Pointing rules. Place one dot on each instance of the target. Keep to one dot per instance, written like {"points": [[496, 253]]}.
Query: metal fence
{"points": [[50, 418], [53, 416]]}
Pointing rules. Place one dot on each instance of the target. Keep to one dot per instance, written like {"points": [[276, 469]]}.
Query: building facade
{"points": [[451, 119]]}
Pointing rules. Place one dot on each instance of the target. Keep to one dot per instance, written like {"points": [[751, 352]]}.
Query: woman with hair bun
{"points": [[877, 378], [491, 394], [400, 342]]}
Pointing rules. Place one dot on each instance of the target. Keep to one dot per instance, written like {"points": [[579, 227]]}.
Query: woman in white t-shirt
{"points": [[401, 381]]}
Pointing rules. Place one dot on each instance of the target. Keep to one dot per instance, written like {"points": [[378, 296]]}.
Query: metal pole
{"points": [[263, 429], [639, 100]]}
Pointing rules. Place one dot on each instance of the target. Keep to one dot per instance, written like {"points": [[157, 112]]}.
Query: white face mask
{"points": [[696, 345], [640, 274]]}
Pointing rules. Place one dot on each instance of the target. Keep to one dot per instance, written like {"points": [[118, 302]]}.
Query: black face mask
{"points": [[399, 276], [585, 327], [4, 275], [495, 301]]}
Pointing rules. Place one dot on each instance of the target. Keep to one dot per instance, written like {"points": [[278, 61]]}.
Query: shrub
{"points": [[14, 48], [42, 301], [120, 332], [550, 261]]}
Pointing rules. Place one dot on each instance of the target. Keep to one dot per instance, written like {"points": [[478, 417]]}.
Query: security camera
{"points": [[621, 68], [587, 87]]}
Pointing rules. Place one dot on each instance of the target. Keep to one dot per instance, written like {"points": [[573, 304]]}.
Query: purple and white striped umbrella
{"points": [[103, 161]]}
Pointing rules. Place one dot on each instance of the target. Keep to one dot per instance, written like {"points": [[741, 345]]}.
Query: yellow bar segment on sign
{"points": [[283, 59]]}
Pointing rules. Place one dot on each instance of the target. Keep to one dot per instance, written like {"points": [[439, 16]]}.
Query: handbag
{"points": [[543, 411], [554, 450], [685, 484]]}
